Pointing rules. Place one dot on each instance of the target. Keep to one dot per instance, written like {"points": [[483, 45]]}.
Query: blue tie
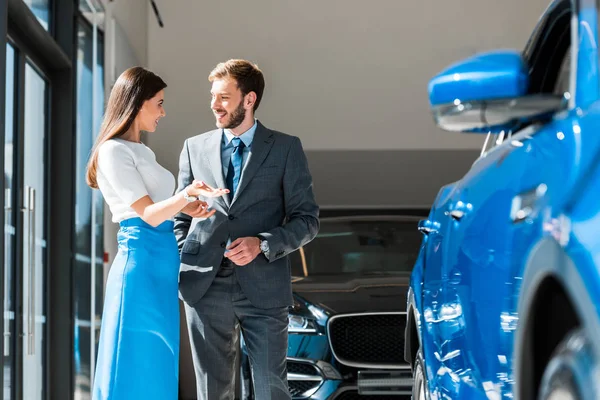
{"points": [[235, 166]]}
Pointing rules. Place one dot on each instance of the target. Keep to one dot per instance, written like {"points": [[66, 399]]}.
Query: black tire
{"points": [[563, 376], [419, 388]]}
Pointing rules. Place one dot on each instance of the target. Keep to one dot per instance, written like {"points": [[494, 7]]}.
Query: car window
{"points": [[564, 76], [359, 247], [548, 55], [548, 47]]}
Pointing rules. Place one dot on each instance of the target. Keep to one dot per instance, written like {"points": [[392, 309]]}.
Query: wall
{"points": [[126, 35], [343, 76]]}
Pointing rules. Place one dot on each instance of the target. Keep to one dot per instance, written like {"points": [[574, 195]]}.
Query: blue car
{"points": [[504, 299]]}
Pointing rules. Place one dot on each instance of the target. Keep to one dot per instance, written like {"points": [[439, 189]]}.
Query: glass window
{"points": [[83, 211], [360, 247], [89, 246], [41, 9], [546, 49], [9, 224], [564, 75], [35, 262], [98, 200]]}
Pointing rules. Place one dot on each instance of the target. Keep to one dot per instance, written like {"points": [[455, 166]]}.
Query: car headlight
{"points": [[300, 324]]}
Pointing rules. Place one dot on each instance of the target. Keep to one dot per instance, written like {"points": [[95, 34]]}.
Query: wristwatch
{"points": [[187, 197], [264, 246]]}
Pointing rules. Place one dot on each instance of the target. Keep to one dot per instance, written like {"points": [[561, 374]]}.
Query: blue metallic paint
{"points": [[494, 75], [477, 276]]}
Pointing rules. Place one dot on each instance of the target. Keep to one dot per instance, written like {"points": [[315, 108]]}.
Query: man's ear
{"points": [[249, 100]]}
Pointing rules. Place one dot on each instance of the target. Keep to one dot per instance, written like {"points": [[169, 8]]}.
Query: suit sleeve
{"points": [[302, 211], [184, 178]]}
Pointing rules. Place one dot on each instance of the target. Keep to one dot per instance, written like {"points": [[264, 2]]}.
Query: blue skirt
{"points": [[138, 354]]}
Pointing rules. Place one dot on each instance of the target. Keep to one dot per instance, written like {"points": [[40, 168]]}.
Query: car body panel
{"points": [[527, 210]]}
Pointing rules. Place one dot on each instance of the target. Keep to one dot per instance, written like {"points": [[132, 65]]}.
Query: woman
{"points": [[139, 339]]}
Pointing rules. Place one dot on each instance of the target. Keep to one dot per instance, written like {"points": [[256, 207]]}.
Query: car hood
{"points": [[354, 293]]}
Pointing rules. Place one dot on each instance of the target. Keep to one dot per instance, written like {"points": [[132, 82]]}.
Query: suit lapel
{"points": [[212, 151], [261, 145]]}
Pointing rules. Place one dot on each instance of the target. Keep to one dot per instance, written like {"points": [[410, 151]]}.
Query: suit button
{"points": [[223, 244], [231, 217]]}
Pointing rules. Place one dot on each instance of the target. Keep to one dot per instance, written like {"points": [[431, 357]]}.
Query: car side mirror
{"points": [[488, 93]]}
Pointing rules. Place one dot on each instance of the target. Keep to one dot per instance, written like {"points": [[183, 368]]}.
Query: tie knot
{"points": [[237, 142]]}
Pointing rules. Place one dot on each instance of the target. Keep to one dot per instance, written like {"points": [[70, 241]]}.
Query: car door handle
{"points": [[456, 215], [525, 204], [458, 210]]}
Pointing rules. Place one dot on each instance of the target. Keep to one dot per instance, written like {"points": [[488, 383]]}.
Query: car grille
{"points": [[302, 388], [298, 388], [303, 368], [368, 340], [353, 395]]}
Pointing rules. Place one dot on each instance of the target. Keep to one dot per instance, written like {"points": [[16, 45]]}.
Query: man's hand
{"points": [[244, 250]]}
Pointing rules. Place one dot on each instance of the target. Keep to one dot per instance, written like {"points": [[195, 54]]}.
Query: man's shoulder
{"points": [[281, 137], [202, 137]]}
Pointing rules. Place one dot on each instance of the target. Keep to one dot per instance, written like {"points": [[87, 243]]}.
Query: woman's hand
{"points": [[199, 188], [198, 209]]}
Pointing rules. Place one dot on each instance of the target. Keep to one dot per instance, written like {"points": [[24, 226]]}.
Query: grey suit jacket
{"points": [[274, 199]]}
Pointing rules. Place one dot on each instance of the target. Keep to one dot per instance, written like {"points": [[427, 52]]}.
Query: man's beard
{"points": [[237, 117]]}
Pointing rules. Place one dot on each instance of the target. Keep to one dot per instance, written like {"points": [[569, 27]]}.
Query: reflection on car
{"points": [[346, 326], [504, 295]]}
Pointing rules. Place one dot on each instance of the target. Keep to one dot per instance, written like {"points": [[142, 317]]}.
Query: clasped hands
{"points": [[199, 208]]}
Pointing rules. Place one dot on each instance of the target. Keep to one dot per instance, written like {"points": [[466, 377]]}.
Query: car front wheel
{"points": [[568, 371], [419, 389]]}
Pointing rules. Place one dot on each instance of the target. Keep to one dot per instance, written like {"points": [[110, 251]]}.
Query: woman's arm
{"points": [[117, 164], [156, 213]]}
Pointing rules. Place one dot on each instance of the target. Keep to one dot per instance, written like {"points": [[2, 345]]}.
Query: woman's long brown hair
{"points": [[131, 90]]}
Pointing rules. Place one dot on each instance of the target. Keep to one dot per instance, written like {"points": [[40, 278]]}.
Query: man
{"points": [[234, 268]]}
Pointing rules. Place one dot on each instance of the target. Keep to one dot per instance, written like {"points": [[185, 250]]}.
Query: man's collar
{"points": [[246, 137]]}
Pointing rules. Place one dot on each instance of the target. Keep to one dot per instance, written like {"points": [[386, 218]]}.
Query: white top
{"points": [[128, 171]]}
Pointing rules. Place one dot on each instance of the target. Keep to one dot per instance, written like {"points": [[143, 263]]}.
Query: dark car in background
{"points": [[346, 328]]}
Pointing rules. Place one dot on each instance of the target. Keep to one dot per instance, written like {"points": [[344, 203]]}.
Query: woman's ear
{"points": [[142, 107]]}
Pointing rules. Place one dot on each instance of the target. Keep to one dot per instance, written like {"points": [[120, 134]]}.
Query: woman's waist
{"points": [[135, 233], [164, 227]]}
